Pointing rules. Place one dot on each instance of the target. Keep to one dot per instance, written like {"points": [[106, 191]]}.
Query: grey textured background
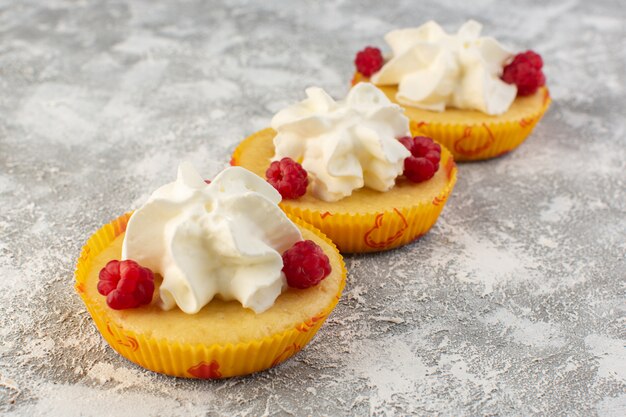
{"points": [[512, 305]]}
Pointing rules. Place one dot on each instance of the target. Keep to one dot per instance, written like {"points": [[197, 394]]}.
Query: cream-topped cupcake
{"points": [[369, 188], [220, 258], [467, 91]]}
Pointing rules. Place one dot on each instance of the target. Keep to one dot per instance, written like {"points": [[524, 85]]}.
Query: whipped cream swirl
{"points": [[435, 70], [344, 145], [220, 239]]}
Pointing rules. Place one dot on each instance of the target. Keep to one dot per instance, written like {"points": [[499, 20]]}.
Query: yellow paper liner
{"points": [[480, 140], [210, 361], [371, 231]]}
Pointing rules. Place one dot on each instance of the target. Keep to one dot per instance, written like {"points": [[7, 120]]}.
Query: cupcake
{"points": [[351, 169], [209, 280], [466, 91]]}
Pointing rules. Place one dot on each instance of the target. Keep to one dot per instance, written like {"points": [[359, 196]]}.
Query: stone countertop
{"points": [[513, 304]]}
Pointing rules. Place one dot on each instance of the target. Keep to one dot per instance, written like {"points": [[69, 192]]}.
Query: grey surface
{"points": [[512, 305]]}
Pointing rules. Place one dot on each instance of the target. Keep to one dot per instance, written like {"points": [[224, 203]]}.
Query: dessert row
{"points": [[233, 275]]}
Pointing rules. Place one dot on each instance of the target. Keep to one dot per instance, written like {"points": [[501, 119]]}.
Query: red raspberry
{"points": [[525, 72], [126, 284], [407, 141], [305, 264], [418, 169], [288, 177], [532, 58], [424, 159], [369, 61]]}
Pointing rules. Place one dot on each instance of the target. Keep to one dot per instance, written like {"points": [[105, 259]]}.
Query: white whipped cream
{"points": [[220, 239], [435, 70], [344, 145]]}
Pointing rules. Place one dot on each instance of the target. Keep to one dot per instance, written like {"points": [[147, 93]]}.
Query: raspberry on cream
{"points": [[305, 264], [288, 177], [435, 70], [221, 239], [525, 72], [344, 145], [424, 160], [369, 60]]}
